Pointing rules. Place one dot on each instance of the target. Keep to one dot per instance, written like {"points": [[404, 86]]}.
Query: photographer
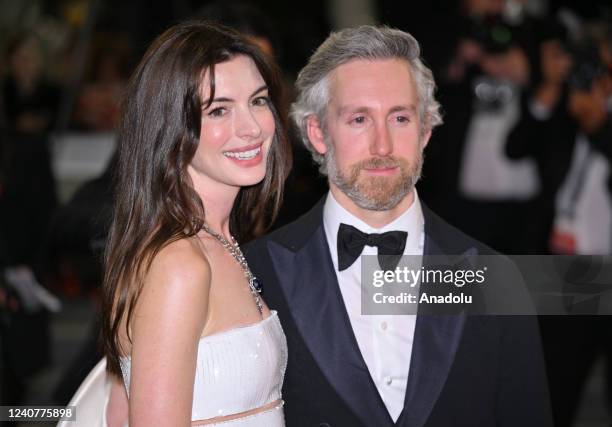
{"points": [[566, 129], [468, 177], [545, 133], [583, 219]]}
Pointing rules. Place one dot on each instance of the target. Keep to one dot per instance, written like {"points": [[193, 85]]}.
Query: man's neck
{"points": [[375, 219]]}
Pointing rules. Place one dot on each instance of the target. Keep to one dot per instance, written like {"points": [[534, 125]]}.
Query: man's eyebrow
{"points": [[410, 107], [349, 108], [225, 99], [352, 109]]}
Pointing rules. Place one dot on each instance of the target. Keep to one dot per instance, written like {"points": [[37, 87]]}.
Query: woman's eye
{"points": [[217, 112], [261, 101]]}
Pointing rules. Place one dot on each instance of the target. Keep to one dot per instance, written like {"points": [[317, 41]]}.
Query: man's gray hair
{"points": [[367, 43]]}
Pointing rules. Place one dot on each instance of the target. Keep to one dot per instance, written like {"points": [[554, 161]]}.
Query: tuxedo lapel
{"points": [[436, 339], [307, 278]]}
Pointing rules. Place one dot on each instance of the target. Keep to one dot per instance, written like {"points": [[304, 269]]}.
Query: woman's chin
{"points": [[250, 179]]}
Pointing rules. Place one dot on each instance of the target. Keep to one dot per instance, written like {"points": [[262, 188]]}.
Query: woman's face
{"points": [[237, 127]]}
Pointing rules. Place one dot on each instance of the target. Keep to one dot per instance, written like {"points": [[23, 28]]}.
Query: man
{"points": [[366, 110]]}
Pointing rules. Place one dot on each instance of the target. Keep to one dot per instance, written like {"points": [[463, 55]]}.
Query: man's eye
{"points": [[261, 101], [402, 119], [359, 120], [217, 112]]}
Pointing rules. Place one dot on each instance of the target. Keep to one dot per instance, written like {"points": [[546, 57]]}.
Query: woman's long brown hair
{"points": [[155, 203]]}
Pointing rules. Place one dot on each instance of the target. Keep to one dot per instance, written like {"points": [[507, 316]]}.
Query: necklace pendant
{"points": [[257, 285]]}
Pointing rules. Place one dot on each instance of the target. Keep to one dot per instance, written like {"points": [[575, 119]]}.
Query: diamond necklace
{"points": [[236, 253]]}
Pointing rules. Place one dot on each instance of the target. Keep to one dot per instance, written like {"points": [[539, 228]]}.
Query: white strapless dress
{"points": [[238, 370]]}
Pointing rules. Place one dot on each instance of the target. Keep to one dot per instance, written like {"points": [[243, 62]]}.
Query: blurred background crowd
{"points": [[521, 163]]}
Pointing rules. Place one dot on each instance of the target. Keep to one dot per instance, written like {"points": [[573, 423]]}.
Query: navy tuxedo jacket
{"points": [[465, 370]]}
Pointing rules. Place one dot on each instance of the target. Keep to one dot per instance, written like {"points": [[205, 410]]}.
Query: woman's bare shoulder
{"points": [[177, 285], [181, 261]]}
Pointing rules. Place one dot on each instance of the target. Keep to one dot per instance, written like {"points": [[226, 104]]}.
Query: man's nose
{"points": [[246, 124], [382, 144]]}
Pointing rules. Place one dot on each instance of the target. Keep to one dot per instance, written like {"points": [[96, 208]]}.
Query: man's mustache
{"points": [[380, 163]]}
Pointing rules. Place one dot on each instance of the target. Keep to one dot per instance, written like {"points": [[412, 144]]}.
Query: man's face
{"points": [[371, 139]]}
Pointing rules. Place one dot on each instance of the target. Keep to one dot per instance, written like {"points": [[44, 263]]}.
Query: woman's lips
{"points": [[246, 156]]}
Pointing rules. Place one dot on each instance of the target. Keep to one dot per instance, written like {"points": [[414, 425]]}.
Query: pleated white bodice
{"points": [[237, 370]]}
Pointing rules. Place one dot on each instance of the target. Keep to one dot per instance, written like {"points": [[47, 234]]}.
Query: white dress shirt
{"points": [[385, 341]]}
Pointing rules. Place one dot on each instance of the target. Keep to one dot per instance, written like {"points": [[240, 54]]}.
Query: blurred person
{"points": [[583, 226], [480, 87], [583, 221], [367, 134], [202, 157], [544, 131], [27, 199], [97, 106], [29, 99], [566, 128], [29, 103]]}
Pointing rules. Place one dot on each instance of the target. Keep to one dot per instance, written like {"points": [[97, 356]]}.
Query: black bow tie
{"points": [[351, 242]]}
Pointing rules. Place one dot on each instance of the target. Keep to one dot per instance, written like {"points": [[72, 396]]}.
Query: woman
{"points": [[203, 156]]}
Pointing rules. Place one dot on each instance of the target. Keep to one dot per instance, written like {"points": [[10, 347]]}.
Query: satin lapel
{"points": [[309, 283], [436, 339]]}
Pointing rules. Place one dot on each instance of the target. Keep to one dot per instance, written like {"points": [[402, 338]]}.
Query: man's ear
{"points": [[315, 134]]}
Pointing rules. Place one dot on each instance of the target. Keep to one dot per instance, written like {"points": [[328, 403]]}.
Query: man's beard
{"points": [[376, 193]]}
